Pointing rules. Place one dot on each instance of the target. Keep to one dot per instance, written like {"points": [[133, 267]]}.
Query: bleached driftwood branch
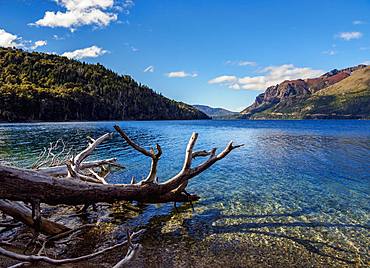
{"points": [[152, 176], [62, 170], [28, 185], [22, 213], [75, 163], [132, 252], [53, 155], [34, 259], [82, 185]]}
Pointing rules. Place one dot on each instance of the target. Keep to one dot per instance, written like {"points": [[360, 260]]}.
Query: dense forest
{"points": [[45, 87]]}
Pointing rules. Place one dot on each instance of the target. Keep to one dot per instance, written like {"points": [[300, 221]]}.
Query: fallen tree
{"points": [[79, 183], [20, 212]]}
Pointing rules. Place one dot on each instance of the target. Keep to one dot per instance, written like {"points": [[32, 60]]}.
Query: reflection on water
{"points": [[297, 193]]}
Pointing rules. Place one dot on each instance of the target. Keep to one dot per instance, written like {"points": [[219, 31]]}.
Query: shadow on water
{"points": [[198, 226], [204, 224], [210, 217]]}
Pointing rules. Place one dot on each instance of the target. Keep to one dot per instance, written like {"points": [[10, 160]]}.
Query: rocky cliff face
{"points": [[288, 92]]}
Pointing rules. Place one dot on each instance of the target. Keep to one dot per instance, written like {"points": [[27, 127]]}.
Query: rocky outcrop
{"points": [[290, 92]]}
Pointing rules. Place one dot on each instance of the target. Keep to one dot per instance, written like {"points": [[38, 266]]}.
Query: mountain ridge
{"points": [[289, 98], [45, 87], [214, 112]]}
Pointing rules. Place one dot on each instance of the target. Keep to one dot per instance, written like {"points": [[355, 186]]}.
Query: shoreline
{"points": [[179, 120], [168, 242]]}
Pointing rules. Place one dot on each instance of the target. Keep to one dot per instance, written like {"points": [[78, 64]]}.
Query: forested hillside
{"points": [[44, 87]]}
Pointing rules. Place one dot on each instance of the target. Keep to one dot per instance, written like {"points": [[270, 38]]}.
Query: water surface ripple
{"points": [[297, 193]]}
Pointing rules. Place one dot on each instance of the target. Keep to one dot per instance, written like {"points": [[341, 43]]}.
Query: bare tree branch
{"points": [[75, 163], [63, 171], [37, 259], [22, 213], [132, 252], [21, 264], [98, 177], [152, 176], [213, 159], [187, 173], [54, 155], [131, 143], [202, 153], [189, 152]]}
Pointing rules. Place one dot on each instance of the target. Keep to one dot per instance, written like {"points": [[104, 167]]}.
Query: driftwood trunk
{"points": [[78, 188], [79, 183], [26, 185], [22, 213]]}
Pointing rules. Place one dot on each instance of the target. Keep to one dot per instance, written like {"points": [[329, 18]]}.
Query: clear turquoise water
{"points": [[297, 188]]}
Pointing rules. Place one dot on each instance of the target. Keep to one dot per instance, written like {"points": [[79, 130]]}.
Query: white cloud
{"points": [[223, 79], [72, 19], [350, 35], [131, 47], [358, 22], [247, 63], [57, 37], [366, 62], [9, 40], [83, 12], [125, 6], [272, 75], [12, 40], [85, 4], [89, 52], [241, 63], [39, 43], [181, 74], [149, 69], [329, 52]]}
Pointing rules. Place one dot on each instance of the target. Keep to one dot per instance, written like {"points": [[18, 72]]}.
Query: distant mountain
{"points": [[215, 112], [334, 95], [43, 87]]}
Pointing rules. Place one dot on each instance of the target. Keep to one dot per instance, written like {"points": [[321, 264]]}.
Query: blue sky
{"points": [[216, 52]]}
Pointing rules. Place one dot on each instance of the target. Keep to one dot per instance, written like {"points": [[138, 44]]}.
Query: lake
{"points": [[296, 194]]}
